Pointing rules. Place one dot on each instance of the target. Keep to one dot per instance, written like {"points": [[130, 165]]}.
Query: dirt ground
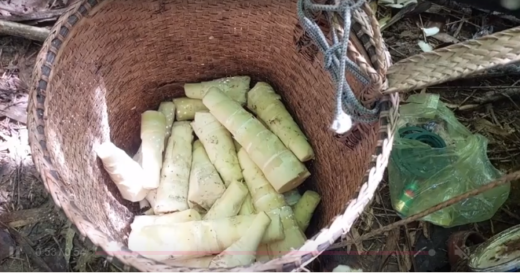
{"points": [[41, 238]]}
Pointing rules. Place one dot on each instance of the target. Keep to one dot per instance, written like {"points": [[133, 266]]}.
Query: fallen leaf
{"points": [[19, 7], [392, 240], [407, 34], [358, 244], [425, 229], [405, 259], [17, 111], [368, 220], [445, 37], [487, 126]]}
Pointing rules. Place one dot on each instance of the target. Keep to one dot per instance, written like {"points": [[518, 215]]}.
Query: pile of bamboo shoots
{"points": [[220, 170]]}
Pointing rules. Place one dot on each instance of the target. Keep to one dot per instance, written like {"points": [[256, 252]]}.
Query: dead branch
{"points": [[27, 217], [499, 182], [42, 15], [29, 32], [26, 246]]}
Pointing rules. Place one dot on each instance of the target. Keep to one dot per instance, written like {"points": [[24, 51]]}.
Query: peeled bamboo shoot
{"points": [[263, 195], [234, 87], [138, 157], [196, 238], [206, 186], [279, 165], [237, 145], [292, 197], [247, 207], [243, 251], [262, 253], [219, 146], [152, 194], [267, 106], [266, 199], [229, 203], [144, 204], [200, 262], [124, 171], [172, 194], [141, 221], [186, 108], [294, 237], [167, 108], [305, 207], [153, 131]]}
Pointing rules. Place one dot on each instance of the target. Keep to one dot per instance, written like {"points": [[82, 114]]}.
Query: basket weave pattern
{"points": [[106, 62]]}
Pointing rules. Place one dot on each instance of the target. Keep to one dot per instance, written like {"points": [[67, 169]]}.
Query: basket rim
{"points": [[120, 254]]}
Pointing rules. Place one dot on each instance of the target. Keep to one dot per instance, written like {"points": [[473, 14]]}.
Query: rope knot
{"points": [[348, 108], [329, 55]]}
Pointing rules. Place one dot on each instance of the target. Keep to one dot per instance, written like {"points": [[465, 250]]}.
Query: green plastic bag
{"points": [[435, 158]]}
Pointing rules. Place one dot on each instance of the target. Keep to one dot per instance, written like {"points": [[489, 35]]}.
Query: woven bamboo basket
{"points": [[107, 61]]}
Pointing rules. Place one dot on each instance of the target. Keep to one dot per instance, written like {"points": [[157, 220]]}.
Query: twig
{"points": [[41, 15], [492, 96], [498, 95], [501, 181], [24, 31], [26, 217], [27, 248]]}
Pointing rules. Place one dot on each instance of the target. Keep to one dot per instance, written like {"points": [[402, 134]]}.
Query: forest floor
{"points": [[41, 238]]}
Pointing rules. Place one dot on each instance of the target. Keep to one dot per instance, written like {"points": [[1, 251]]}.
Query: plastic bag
{"points": [[435, 158]]}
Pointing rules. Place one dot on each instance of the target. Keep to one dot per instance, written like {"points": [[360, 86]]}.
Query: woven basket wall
{"points": [[108, 61]]}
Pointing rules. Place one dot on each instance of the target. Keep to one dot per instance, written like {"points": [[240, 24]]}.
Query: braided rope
{"points": [[455, 61], [348, 107]]}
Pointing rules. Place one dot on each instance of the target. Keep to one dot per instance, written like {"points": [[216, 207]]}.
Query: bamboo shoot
{"points": [[141, 221], [304, 209], [292, 197], [247, 207], [153, 131], [167, 108], [243, 251], [123, 171], [196, 238], [186, 108], [172, 194], [266, 199], [219, 146], [279, 165], [294, 237], [234, 87], [200, 262], [267, 106], [206, 186], [229, 203]]}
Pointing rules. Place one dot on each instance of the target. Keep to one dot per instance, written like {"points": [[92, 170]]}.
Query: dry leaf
{"points": [[445, 37], [18, 7], [405, 259], [358, 244], [487, 126], [425, 229], [392, 240], [16, 111], [368, 219]]}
